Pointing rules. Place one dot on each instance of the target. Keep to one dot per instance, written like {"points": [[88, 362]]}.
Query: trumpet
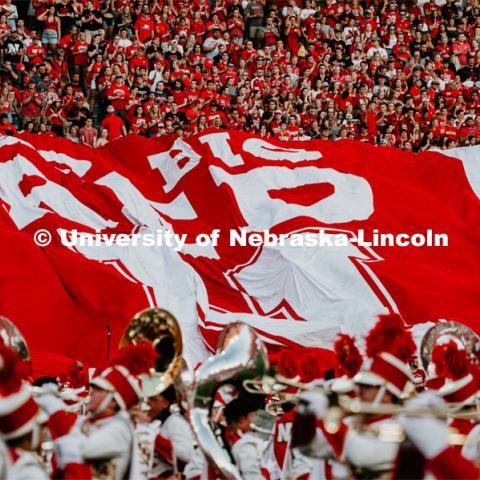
{"points": [[392, 432], [357, 407], [272, 384]]}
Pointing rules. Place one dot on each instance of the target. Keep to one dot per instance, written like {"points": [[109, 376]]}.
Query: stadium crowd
{"points": [[393, 73]]}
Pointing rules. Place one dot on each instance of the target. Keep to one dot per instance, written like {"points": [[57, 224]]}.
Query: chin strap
{"points": [[103, 405], [36, 436], [218, 414], [379, 395]]}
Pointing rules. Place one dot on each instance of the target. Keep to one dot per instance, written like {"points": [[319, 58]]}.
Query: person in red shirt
{"points": [[198, 26], [144, 26], [79, 54], [51, 28], [213, 114], [118, 94], [138, 60], [236, 25], [114, 124], [6, 128], [192, 95], [429, 7], [35, 52], [468, 129], [89, 134], [229, 73], [292, 126], [31, 101], [138, 122], [460, 50], [55, 115]]}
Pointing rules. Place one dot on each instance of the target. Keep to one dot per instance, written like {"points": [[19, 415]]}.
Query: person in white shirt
{"points": [[211, 44], [21, 423], [376, 48], [308, 10], [104, 439], [291, 9], [11, 13], [155, 76], [124, 42], [302, 136]]}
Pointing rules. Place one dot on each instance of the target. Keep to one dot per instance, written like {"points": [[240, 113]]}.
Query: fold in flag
{"points": [[210, 206]]}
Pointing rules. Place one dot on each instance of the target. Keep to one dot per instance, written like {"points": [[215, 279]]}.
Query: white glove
{"points": [[429, 434], [69, 448], [49, 400], [315, 403]]}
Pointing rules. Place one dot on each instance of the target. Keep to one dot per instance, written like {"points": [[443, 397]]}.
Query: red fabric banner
{"points": [[69, 299]]}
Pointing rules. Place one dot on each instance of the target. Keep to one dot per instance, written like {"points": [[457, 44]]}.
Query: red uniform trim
{"points": [[163, 446], [337, 439], [74, 471], [451, 465]]}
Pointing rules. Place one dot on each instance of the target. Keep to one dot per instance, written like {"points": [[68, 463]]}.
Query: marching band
{"points": [[248, 412]]}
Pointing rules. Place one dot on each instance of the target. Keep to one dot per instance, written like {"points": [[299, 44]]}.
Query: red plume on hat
{"points": [[349, 359], [309, 368], [389, 347], [454, 364], [138, 358], [314, 362], [287, 364], [390, 336], [450, 361]]}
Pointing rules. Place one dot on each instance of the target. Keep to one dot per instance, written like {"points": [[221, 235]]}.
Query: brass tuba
{"points": [[240, 355], [445, 331], [159, 327]]}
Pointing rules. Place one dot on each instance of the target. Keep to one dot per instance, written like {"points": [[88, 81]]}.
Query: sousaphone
{"points": [[161, 328]]}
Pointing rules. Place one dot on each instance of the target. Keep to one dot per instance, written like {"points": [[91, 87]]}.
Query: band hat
{"points": [[19, 413], [125, 388], [387, 370]]}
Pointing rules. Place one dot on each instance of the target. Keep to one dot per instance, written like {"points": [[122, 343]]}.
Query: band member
{"points": [[385, 378], [21, 421], [246, 448], [430, 436], [172, 435], [199, 467], [460, 389], [109, 444], [104, 439], [287, 462], [281, 460]]}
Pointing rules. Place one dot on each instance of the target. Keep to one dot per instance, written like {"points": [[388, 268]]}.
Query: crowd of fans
{"points": [[394, 73]]}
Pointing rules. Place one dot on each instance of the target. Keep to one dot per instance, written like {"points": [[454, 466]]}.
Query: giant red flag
{"points": [[71, 297]]}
